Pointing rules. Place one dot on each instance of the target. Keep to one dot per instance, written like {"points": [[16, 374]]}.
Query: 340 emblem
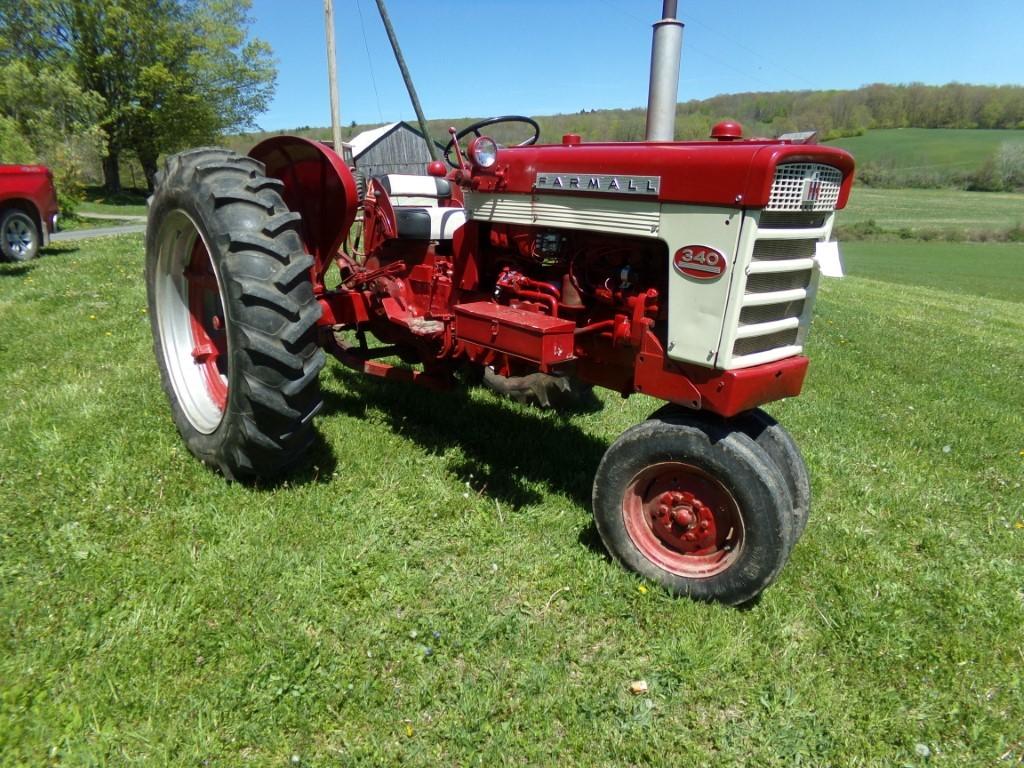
{"points": [[700, 262]]}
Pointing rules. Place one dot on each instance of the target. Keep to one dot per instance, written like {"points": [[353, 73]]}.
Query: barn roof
{"points": [[362, 142]]}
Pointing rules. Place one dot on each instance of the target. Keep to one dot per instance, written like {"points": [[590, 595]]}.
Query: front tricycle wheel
{"points": [[694, 505]]}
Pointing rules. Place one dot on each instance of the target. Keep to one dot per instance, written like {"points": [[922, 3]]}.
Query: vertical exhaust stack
{"points": [[666, 51]]}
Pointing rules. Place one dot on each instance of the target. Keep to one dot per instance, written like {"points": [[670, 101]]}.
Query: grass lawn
{"points": [[917, 209], [928, 149], [131, 202], [995, 270], [431, 590], [75, 223]]}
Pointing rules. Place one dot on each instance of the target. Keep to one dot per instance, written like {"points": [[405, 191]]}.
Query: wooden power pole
{"points": [[332, 75]]}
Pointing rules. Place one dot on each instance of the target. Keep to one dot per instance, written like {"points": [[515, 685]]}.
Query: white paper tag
{"points": [[829, 261]]}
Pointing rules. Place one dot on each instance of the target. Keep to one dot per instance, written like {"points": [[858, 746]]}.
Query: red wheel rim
{"points": [[206, 318], [683, 519]]}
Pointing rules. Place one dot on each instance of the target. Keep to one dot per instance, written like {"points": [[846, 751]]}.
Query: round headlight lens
{"points": [[483, 152]]}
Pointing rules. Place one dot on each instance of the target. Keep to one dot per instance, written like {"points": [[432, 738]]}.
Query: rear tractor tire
{"points": [[695, 505], [233, 314]]}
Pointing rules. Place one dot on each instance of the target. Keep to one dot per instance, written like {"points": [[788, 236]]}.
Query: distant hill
{"points": [[930, 157], [834, 114]]}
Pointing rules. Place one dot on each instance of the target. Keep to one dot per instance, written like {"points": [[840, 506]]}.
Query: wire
{"points": [[369, 60], [751, 51], [689, 19]]}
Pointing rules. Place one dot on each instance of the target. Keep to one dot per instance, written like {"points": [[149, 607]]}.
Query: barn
{"points": [[391, 148]]}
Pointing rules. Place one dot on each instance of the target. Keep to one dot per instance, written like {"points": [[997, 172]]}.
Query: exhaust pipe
{"points": [[666, 51]]}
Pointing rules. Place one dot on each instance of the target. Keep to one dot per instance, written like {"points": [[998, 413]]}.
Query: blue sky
{"points": [[489, 57]]}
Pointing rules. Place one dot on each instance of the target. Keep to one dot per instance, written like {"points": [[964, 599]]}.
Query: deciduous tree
{"points": [[170, 73]]}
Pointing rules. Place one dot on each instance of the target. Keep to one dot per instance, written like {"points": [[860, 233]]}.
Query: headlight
{"points": [[483, 152]]}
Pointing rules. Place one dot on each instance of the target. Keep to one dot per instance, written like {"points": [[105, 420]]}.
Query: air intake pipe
{"points": [[666, 51]]}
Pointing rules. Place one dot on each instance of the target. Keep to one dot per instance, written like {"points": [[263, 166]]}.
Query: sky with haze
{"points": [[491, 57]]}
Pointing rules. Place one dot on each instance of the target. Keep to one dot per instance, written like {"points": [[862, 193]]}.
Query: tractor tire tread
{"points": [[272, 313], [261, 183], [782, 448], [288, 221], [286, 278], [247, 242], [254, 291], [249, 198]]}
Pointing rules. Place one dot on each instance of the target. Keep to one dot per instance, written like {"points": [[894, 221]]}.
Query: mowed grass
{"points": [[430, 591], [928, 149], [933, 209], [994, 270]]}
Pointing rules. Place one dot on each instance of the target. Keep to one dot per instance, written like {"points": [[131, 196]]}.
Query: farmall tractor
{"points": [[685, 271]]}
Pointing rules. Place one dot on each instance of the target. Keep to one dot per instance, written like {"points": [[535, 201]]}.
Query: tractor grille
{"points": [[784, 249], [769, 313], [778, 291], [805, 187], [801, 220], [778, 281], [757, 344]]}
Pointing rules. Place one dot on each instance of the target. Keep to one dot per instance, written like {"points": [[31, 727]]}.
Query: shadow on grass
{"points": [[60, 248], [21, 268], [506, 451], [127, 196], [316, 466], [16, 269]]}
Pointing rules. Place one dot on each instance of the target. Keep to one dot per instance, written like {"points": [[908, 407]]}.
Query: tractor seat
{"points": [[418, 213], [416, 223]]}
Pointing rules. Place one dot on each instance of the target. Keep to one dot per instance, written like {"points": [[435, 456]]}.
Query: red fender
{"points": [[318, 186], [379, 222]]}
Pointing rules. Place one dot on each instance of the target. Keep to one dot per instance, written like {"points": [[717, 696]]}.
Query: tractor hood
{"points": [[734, 174]]}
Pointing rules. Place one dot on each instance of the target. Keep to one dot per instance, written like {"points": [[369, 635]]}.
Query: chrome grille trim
{"points": [[805, 187]]}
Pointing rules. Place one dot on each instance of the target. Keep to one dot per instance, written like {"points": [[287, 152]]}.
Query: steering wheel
{"points": [[475, 129]]}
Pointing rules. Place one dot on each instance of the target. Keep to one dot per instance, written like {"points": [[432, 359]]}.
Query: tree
{"points": [[47, 118], [210, 81], [170, 73]]}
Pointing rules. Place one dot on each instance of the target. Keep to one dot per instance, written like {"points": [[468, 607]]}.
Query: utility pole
{"points": [[431, 147], [332, 75]]}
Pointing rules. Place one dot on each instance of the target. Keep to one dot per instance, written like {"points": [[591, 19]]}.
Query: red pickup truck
{"points": [[28, 210]]}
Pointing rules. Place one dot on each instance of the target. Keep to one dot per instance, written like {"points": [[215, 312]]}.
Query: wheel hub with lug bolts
{"points": [[683, 521]]}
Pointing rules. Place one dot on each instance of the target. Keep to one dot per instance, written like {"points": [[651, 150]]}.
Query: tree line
{"points": [[85, 82], [849, 112], [833, 114]]}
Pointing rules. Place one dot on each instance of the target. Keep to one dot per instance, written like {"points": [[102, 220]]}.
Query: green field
{"points": [[995, 270], [431, 591], [927, 149], [936, 209], [131, 202]]}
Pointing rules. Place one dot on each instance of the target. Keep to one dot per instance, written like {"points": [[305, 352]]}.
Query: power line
{"points": [[369, 60], [686, 17], [752, 52]]}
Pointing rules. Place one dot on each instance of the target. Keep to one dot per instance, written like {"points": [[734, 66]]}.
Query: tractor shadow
{"points": [[317, 467], [507, 451]]}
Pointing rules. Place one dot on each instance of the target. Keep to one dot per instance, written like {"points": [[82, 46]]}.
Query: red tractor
{"points": [[682, 270]]}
